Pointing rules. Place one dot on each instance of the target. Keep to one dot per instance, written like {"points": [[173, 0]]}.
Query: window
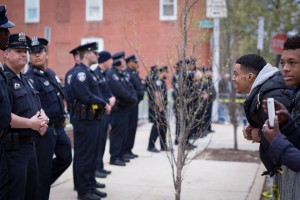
{"points": [[94, 10], [32, 11], [94, 39], [167, 10]]}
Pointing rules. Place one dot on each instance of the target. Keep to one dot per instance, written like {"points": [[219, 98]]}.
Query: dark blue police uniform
{"points": [[134, 111], [126, 97], [20, 142], [88, 110], [106, 92], [5, 114], [159, 128], [55, 141]]}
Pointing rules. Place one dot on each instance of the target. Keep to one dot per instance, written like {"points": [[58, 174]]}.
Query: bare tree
{"points": [[193, 94]]}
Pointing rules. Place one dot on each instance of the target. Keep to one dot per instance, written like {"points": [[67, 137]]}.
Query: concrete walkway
{"points": [[149, 177]]}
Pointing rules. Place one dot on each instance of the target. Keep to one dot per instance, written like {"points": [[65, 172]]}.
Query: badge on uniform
{"points": [[17, 86], [69, 79], [81, 76], [115, 77], [46, 83], [31, 80]]}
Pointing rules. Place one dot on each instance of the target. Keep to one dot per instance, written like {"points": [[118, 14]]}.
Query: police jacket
{"points": [[5, 114], [269, 83], [51, 94], [136, 82], [285, 147], [103, 83], [85, 88], [68, 89], [25, 99], [122, 88]]}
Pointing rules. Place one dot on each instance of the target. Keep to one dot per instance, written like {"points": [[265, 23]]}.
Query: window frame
{"points": [[91, 18], [162, 17], [26, 7]]}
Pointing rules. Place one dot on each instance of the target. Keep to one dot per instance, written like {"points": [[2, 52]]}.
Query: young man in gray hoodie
{"points": [[260, 80]]}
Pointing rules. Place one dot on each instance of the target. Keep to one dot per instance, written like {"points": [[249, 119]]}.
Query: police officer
{"points": [[150, 84], [132, 66], [5, 116], [55, 141], [126, 97], [89, 108], [104, 63], [160, 98], [28, 120]]}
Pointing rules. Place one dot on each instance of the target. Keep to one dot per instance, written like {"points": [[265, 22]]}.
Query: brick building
{"points": [[150, 26]]}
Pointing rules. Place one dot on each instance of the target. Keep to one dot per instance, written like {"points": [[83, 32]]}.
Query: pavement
{"points": [[149, 177]]}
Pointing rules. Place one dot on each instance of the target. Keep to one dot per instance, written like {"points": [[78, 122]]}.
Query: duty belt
{"points": [[56, 121]]}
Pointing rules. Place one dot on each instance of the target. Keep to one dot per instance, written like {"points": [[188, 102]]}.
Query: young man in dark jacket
{"points": [[260, 80], [284, 138]]}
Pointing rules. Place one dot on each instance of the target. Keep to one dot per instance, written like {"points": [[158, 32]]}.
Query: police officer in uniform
{"points": [[160, 102], [55, 141], [5, 114], [87, 112], [150, 84], [126, 97], [104, 63], [28, 121], [132, 66]]}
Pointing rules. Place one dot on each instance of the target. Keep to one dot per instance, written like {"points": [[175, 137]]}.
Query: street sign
{"points": [[216, 9], [277, 43], [206, 24], [260, 33]]}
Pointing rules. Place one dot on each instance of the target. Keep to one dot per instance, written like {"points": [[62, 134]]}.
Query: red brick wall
{"points": [[138, 19]]}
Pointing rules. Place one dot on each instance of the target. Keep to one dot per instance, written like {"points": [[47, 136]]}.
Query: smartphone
{"points": [[271, 111]]}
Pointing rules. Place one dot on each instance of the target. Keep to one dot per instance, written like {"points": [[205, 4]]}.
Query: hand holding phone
{"points": [[271, 111]]}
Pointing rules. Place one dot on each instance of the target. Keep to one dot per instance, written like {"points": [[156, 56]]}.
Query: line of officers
{"points": [[100, 89]]}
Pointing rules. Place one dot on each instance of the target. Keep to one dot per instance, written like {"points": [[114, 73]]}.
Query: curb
{"points": [[258, 184]]}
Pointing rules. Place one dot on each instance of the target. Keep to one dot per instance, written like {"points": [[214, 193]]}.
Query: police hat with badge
{"points": [[117, 58], [18, 41], [4, 23], [75, 51], [37, 45], [131, 58], [93, 46]]}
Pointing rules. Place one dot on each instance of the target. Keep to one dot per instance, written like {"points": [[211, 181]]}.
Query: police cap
{"points": [[88, 47], [75, 50], [117, 57], [104, 56], [163, 69], [154, 68], [4, 23], [131, 58], [37, 44], [190, 60], [18, 41]]}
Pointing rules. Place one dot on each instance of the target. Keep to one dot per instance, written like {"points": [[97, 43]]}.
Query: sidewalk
{"points": [[149, 176]]}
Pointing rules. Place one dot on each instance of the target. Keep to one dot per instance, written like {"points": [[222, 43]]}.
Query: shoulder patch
{"points": [[81, 76], [115, 77]]}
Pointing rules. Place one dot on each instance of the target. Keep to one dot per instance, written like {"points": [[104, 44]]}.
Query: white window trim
{"points": [[37, 19], [99, 40], [167, 18], [90, 18]]}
